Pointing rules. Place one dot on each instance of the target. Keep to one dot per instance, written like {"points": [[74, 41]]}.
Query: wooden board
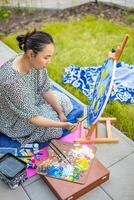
{"points": [[67, 150], [70, 191]]}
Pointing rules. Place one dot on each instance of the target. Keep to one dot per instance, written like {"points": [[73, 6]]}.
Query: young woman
{"points": [[29, 110]]}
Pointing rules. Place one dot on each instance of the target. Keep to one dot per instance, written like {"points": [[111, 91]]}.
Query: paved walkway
{"points": [[62, 4], [118, 158]]}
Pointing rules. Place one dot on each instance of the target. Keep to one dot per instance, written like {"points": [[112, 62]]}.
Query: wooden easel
{"points": [[86, 138]]}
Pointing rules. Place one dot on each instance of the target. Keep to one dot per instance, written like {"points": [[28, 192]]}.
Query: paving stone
{"points": [[8, 194], [31, 180], [109, 154], [121, 183], [95, 194], [5, 53], [39, 191], [123, 136]]}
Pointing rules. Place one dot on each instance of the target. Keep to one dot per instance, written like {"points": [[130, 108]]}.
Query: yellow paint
{"points": [[97, 106], [103, 88], [104, 74], [84, 163]]}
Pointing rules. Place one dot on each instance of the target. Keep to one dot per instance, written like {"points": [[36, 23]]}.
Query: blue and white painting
{"points": [[101, 92]]}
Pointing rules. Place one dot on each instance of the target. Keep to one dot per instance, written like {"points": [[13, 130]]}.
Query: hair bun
{"points": [[23, 38]]}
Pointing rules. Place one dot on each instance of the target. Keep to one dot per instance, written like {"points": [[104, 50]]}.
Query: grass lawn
{"points": [[86, 42]]}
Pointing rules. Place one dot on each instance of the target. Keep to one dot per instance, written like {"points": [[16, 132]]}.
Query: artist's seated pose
{"points": [[29, 110]]}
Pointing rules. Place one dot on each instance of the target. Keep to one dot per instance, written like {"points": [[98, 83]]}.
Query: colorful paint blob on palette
{"points": [[71, 169]]}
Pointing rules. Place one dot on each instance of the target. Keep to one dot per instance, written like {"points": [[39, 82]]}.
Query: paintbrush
{"points": [[58, 152], [79, 121]]}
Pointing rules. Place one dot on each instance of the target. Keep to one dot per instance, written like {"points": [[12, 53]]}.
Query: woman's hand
{"points": [[112, 55], [70, 126], [62, 117], [116, 54]]}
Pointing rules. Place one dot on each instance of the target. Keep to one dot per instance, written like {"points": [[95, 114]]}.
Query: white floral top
{"points": [[20, 99]]}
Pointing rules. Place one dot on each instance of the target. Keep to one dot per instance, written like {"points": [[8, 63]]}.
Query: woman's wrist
{"points": [[62, 124]]}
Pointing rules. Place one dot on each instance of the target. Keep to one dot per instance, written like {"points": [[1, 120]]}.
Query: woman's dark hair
{"points": [[35, 40]]}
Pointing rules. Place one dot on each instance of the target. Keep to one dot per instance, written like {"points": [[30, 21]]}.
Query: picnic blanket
{"points": [[84, 78]]}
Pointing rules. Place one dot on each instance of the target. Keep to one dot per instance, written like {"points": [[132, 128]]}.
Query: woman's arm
{"points": [[50, 98], [45, 123]]}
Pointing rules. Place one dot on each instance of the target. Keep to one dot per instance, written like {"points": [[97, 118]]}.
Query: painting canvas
{"points": [[101, 92]]}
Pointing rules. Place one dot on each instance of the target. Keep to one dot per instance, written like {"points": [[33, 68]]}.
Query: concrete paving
{"points": [[118, 158], [61, 4]]}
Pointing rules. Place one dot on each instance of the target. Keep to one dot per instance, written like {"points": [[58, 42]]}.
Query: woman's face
{"points": [[43, 58]]}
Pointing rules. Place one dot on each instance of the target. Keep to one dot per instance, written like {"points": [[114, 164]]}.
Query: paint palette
{"points": [[67, 161]]}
